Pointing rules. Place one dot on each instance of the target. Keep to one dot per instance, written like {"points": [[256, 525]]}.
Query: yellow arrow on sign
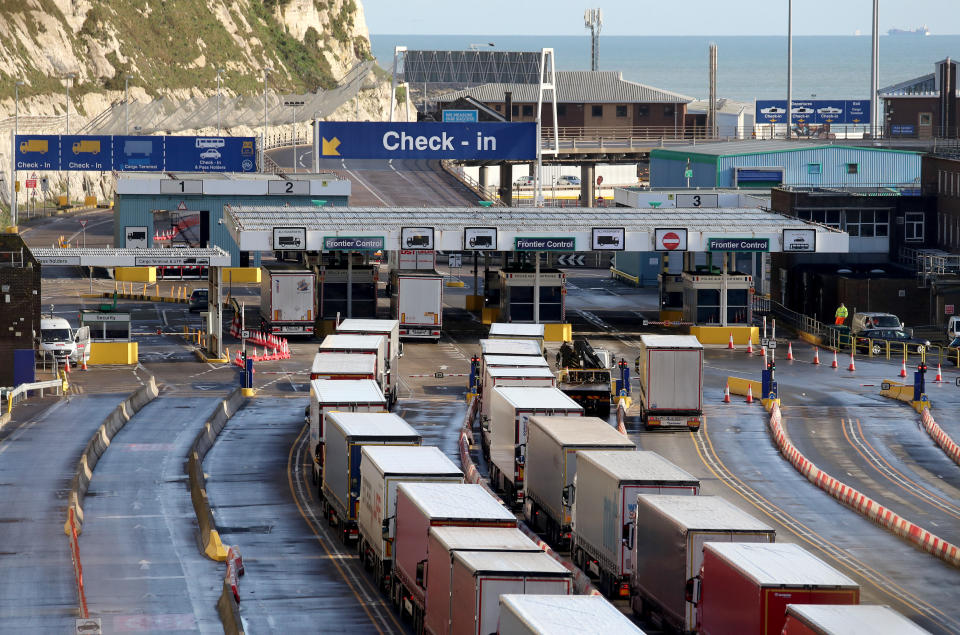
{"points": [[330, 147]]}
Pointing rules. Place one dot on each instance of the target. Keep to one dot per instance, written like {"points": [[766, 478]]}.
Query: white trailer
{"points": [[375, 345], [847, 619], [559, 615], [347, 434], [670, 373], [505, 432], [668, 550], [338, 395], [288, 300], [552, 447], [604, 503], [343, 366], [495, 346], [417, 302], [382, 468], [390, 330], [495, 376], [443, 543], [481, 577], [514, 331]]}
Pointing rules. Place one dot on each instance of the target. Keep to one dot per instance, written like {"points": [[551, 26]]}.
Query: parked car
{"points": [[873, 320], [868, 339], [567, 179], [198, 300], [523, 181]]}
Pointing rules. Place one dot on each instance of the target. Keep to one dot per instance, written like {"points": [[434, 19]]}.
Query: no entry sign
{"points": [[670, 239]]}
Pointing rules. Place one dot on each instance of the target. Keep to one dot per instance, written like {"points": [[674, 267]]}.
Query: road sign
{"points": [[570, 260], [764, 341], [948, 309], [607, 239], [138, 154], [816, 111], [209, 154], [670, 239], [289, 238], [480, 238], [245, 335], [738, 244], [353, 243], [455, 261], [460, 116], [37, 152], [957, 382], [537, 243], [599, 180], [428, 140], [688, 173], [30, 183], [45, 184], [293, 103], [83, 222]]}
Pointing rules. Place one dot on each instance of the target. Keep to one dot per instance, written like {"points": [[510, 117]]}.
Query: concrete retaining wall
{"points": [[99, 443]]}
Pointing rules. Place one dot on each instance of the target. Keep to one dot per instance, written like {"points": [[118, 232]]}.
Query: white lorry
{"points": [[668, 550], [60, 341], [416, 300], [505, 432], [347, 433], [670, 374], [561, 615], [338, 395], [552, 447], [513, 331], [372, 345], [288, 300], [495, 376], [604, 501], [343, 366], [382, 468], [390, 330]]}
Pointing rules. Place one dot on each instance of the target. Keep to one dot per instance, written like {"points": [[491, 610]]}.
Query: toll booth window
{"points": [[708, 306], [737, 306]]}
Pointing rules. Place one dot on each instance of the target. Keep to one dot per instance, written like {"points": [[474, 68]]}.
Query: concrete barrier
{"points": [[229, 610], [557, 333], [240, 275], [865, 506], [114, 353], [209, 539], [97, 445], [135, 274], [904, 392], [720, 335], [941, 438], [738, 386]]}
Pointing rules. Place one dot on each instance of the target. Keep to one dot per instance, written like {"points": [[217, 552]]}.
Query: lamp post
{"points": [[219, 76], [789, 67], [263, 147], [66, 181], [126, 103], [294, 103], [13, 168]]}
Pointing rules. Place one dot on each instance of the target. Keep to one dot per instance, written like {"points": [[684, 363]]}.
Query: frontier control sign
{"points": [[353, 243], [738, 244], [428, 140], [545, 244]]}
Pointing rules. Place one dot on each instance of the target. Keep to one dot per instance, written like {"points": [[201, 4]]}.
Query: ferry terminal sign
{"points": [[738, 244], [568, 243]]}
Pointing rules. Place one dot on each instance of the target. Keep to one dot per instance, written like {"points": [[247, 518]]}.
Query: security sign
{"points": [[670, 239]]}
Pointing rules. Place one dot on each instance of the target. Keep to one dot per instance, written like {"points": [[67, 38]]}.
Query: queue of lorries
{"points": [[452, 559]]}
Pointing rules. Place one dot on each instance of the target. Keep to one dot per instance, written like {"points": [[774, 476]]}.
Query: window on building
{"points": [[853, 168], [596, 110], [926, 118], [515, 110], [499, 107], [621, 111], [668, 110], [528, 111], [814, 168], [828, 217], [708, 306], [561, 110], [867, 223], [643, 110], [913, 226]]}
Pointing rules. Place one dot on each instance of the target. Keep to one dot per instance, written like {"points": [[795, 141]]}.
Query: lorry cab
{"points": [[58, 339]]}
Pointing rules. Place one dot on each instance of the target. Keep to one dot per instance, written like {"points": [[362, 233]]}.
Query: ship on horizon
{"points": [[922, 31]]}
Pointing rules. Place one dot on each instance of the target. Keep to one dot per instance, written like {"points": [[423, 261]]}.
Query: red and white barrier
{"points": [[941, 438], [862, 504]]}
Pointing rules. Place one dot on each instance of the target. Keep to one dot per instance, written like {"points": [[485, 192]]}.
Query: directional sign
{"points": [[86, 153], [37, 152], [138, 154], [816, 111], [571, 260], [209, 154], [428, 140]]}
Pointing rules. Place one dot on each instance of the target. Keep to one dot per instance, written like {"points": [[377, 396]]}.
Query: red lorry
{"points": [[745, 588]]}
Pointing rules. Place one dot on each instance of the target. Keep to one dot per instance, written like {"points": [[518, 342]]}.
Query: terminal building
{"points": [[767, 164], [924, 107]]}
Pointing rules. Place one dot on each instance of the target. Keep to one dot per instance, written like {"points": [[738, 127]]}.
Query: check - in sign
{"points": [[428, 140]]}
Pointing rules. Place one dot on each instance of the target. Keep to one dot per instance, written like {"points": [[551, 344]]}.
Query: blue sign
{"points": [[460, 116], [903, 130], [138, 154], [135, 154], [427, 140], [210, 154], [816, 111], [37, 152]]}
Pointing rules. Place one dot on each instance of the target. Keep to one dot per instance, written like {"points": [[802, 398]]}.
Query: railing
{"points": [[485, 192], [797, 320], [22, 391]]}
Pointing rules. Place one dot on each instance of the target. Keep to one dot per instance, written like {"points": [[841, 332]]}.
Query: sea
{"points": [[748, 67]]}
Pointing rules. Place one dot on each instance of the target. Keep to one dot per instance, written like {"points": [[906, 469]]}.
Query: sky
{"points": [[654, 17]]}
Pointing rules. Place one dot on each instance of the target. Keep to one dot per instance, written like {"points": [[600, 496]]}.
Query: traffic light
{"points": [[922, 367], [771, 365]]}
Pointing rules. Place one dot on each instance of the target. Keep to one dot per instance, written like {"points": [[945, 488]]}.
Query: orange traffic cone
{"points": [[726, 393], [749, 393], [750, 345], [903, 368], [816, 356], [83, 365], [939, 377], [730, 344], [834, 364], [790, 351], [66, 365], [851, 367]]}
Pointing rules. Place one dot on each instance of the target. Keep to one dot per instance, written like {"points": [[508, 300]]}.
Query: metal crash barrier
{"points": [[22, 391]]}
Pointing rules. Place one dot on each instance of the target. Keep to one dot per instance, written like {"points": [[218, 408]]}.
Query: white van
{"points": [[953, 327], [57, 338]]}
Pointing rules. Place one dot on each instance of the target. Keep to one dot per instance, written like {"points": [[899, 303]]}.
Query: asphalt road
{"points": [[143, 569], [39, 450]]}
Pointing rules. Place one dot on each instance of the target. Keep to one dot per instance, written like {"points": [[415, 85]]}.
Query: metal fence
{"points": [[22, 391]]}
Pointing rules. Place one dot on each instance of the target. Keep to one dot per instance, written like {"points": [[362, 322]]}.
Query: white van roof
{"points": [[54, 323]]}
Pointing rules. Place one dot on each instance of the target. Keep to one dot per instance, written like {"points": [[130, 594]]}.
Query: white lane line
{"points": [[363, 183], [23, 428]]}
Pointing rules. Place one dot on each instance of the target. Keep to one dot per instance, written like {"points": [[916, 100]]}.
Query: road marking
{"points": [[363, 183], [709, 457]]}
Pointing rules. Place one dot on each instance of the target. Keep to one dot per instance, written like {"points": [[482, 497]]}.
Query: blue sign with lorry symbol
{"points": [[428, 140], [86, 153], [37, 152]]}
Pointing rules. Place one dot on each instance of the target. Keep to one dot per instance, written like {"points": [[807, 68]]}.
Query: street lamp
{"points": [[789, 67], [13, 168], [66, 181], [263, 147], [219, 75], [126, 103], [294, 103]]}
